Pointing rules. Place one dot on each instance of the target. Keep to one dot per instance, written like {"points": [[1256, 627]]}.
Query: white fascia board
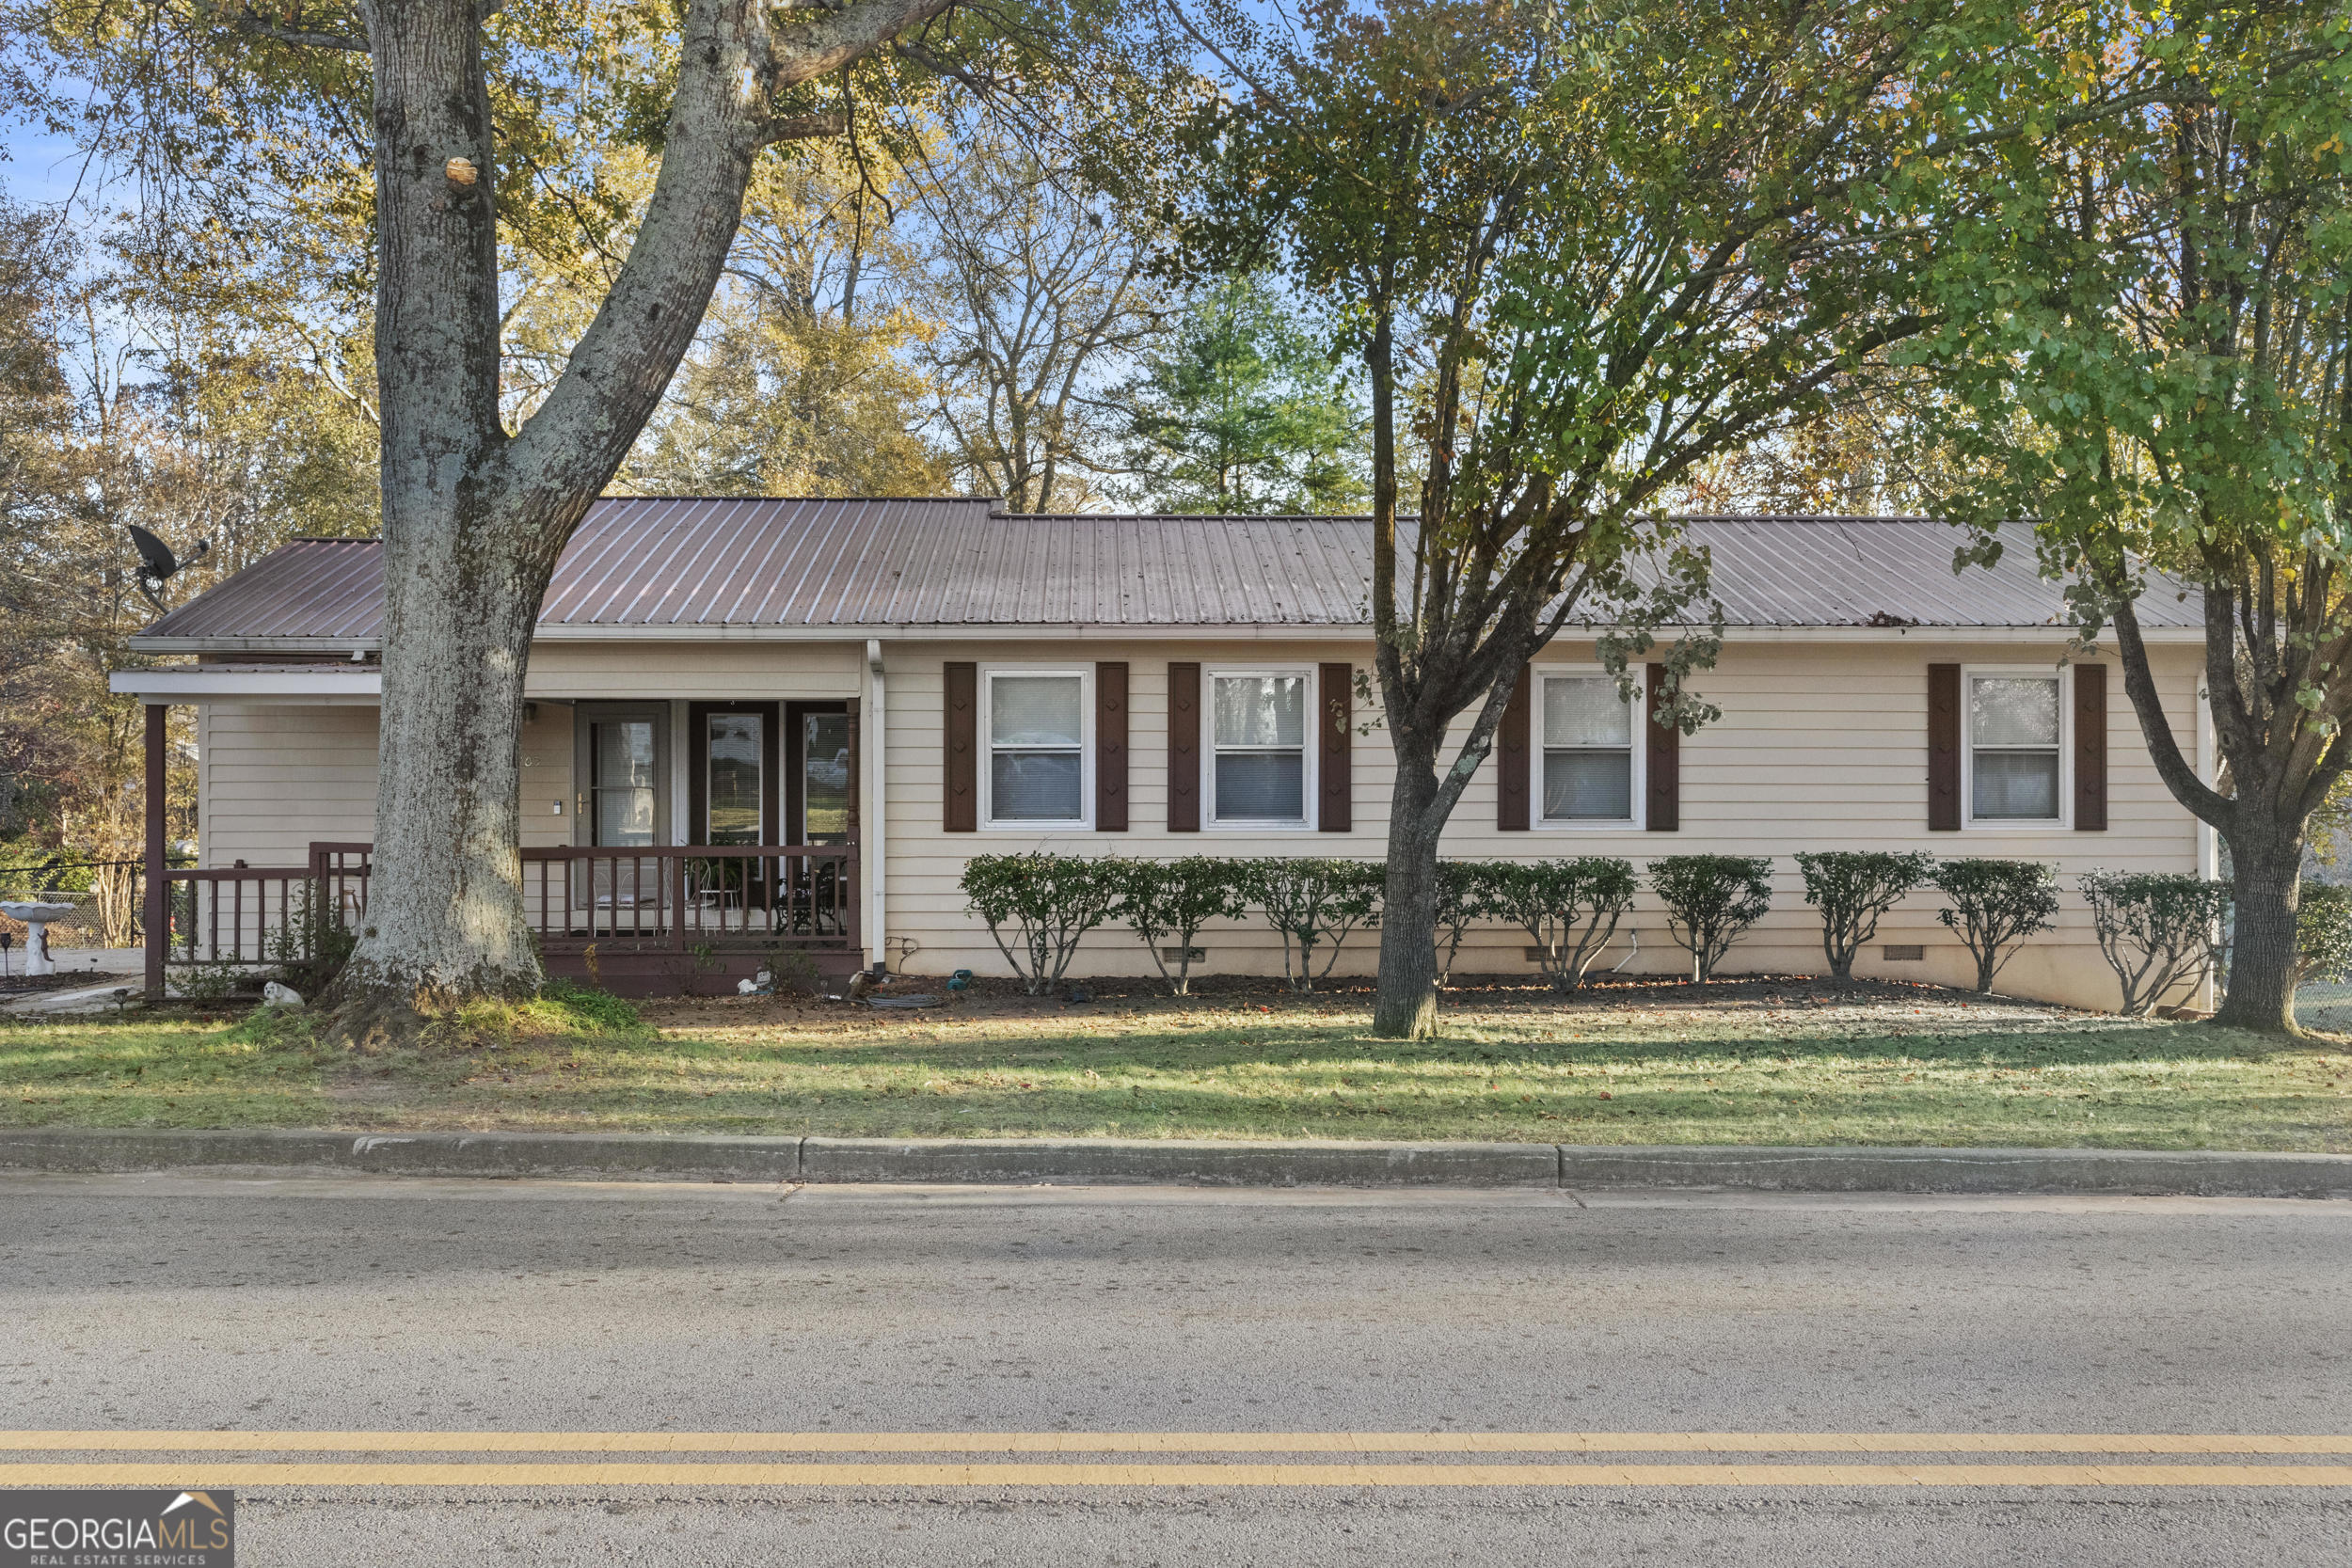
{"points": [[1275, 632], [853, 634], [306, 685]]}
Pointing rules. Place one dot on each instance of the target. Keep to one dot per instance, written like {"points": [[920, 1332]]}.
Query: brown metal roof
{"points": [[869, 565]]}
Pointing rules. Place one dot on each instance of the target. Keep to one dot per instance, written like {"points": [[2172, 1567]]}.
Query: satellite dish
{"points": [[157, 565]]}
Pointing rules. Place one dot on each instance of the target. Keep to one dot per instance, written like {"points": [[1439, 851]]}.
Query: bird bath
{"points": [[36, 918]]}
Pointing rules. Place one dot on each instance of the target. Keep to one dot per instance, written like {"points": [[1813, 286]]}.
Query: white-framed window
{"points": [[2015, 753], [1038, 771], [1261, 765], [1589, 761]]}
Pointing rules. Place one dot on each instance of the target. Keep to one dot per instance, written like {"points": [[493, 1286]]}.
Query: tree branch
{"points": [[826, 122], [253, 27]]}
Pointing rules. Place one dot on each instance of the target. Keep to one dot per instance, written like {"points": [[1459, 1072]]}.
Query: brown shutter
{"points": [[1943, 748], [1336, 786], [1511, 764], [1664, 782], [2091, 748], [1111, 748], [1184, 748], [961, 812]]}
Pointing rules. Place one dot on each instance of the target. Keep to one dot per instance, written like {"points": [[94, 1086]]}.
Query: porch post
{"points": [[158, 935], [873, 846]]}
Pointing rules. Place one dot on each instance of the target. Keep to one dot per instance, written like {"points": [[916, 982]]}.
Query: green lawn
{"points": [[1740, 1062]]}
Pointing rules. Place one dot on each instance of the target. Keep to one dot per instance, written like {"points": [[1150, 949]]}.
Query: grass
{"points": [[1736, 1061]]}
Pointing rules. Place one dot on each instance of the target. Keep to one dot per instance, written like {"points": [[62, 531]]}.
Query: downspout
{"points": [[2208, 837], [875, 732]]}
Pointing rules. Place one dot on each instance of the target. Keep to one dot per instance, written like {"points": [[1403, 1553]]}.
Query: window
{"points": [[1589, 757], [1258, 739], [624, 779], [2015, 745], [1036, 747], [735, 755]]}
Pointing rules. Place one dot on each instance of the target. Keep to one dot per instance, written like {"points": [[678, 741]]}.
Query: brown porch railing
{"points": [[670, 897], [686, 895]]}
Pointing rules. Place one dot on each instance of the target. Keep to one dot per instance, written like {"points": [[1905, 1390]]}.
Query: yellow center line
{"points": [[1174, 1442], [244, 1473]]}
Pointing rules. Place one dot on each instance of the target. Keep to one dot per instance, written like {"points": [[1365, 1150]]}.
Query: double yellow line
{"points": [[2148, 1459]]}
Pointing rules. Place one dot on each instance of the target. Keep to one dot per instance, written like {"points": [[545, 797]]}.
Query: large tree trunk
{"points": [[445, 916], [1407, 1006], [445, 911], [2262, 949]]}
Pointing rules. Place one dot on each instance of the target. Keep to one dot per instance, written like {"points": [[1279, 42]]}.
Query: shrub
{"points": [[1465, 895], [1168, 901], [1853, 889], [1993, 905], [1049, 901], [2157, 930], [1311, 901], [1570, 908], [1710, 899], [2323, 932], [310, 946]]}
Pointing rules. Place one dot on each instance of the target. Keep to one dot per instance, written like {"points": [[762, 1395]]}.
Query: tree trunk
{"points": [[445, 909], [1407, 1007], [445, 916], [2262, 949]]}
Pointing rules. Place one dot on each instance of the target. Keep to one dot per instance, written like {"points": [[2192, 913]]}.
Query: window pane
{"points": [[1261, 786], [1033, 710], [1585, 710], [2017, 785], [825, 779], [1033, 786], [1262, 710], [2013, 710], [1588, 786], [734, 779], [624, 754], [624, 817]]}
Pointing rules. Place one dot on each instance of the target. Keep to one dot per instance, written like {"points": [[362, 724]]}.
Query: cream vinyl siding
{"points": [[271, 778], [714, 672], [1820, 746]]}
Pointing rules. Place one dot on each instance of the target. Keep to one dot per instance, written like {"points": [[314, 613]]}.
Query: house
{"points": [[754, 720]]}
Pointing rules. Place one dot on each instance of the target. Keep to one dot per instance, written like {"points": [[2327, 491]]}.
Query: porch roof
{"points": [[722, 566]]}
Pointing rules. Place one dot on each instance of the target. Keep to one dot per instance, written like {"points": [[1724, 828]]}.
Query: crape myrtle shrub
{"points": [[1312, 902], [1037, 906], [1994, 905], [2323, 932], [1568, 907], [1167, 903], [1710, 900], [2158, 930], [1852, 889]]}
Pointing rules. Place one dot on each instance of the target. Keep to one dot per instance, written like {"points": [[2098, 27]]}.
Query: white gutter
{"points": [[1158, 631], [2207, 998], [305, 684], [874, 738]]}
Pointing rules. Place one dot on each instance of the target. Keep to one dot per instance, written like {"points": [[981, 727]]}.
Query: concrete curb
{"points": [[640, 1156]]}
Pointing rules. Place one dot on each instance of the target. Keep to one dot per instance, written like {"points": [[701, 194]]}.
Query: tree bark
{"points": [[445, 916], [1406, 1006], [2267, 897]]}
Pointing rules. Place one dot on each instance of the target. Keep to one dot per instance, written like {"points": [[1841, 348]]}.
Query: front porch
{"points": [[669, 846], [637, 921]]}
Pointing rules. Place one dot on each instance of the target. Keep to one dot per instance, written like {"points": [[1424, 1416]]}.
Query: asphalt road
{"points": [[136, 1303]]}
